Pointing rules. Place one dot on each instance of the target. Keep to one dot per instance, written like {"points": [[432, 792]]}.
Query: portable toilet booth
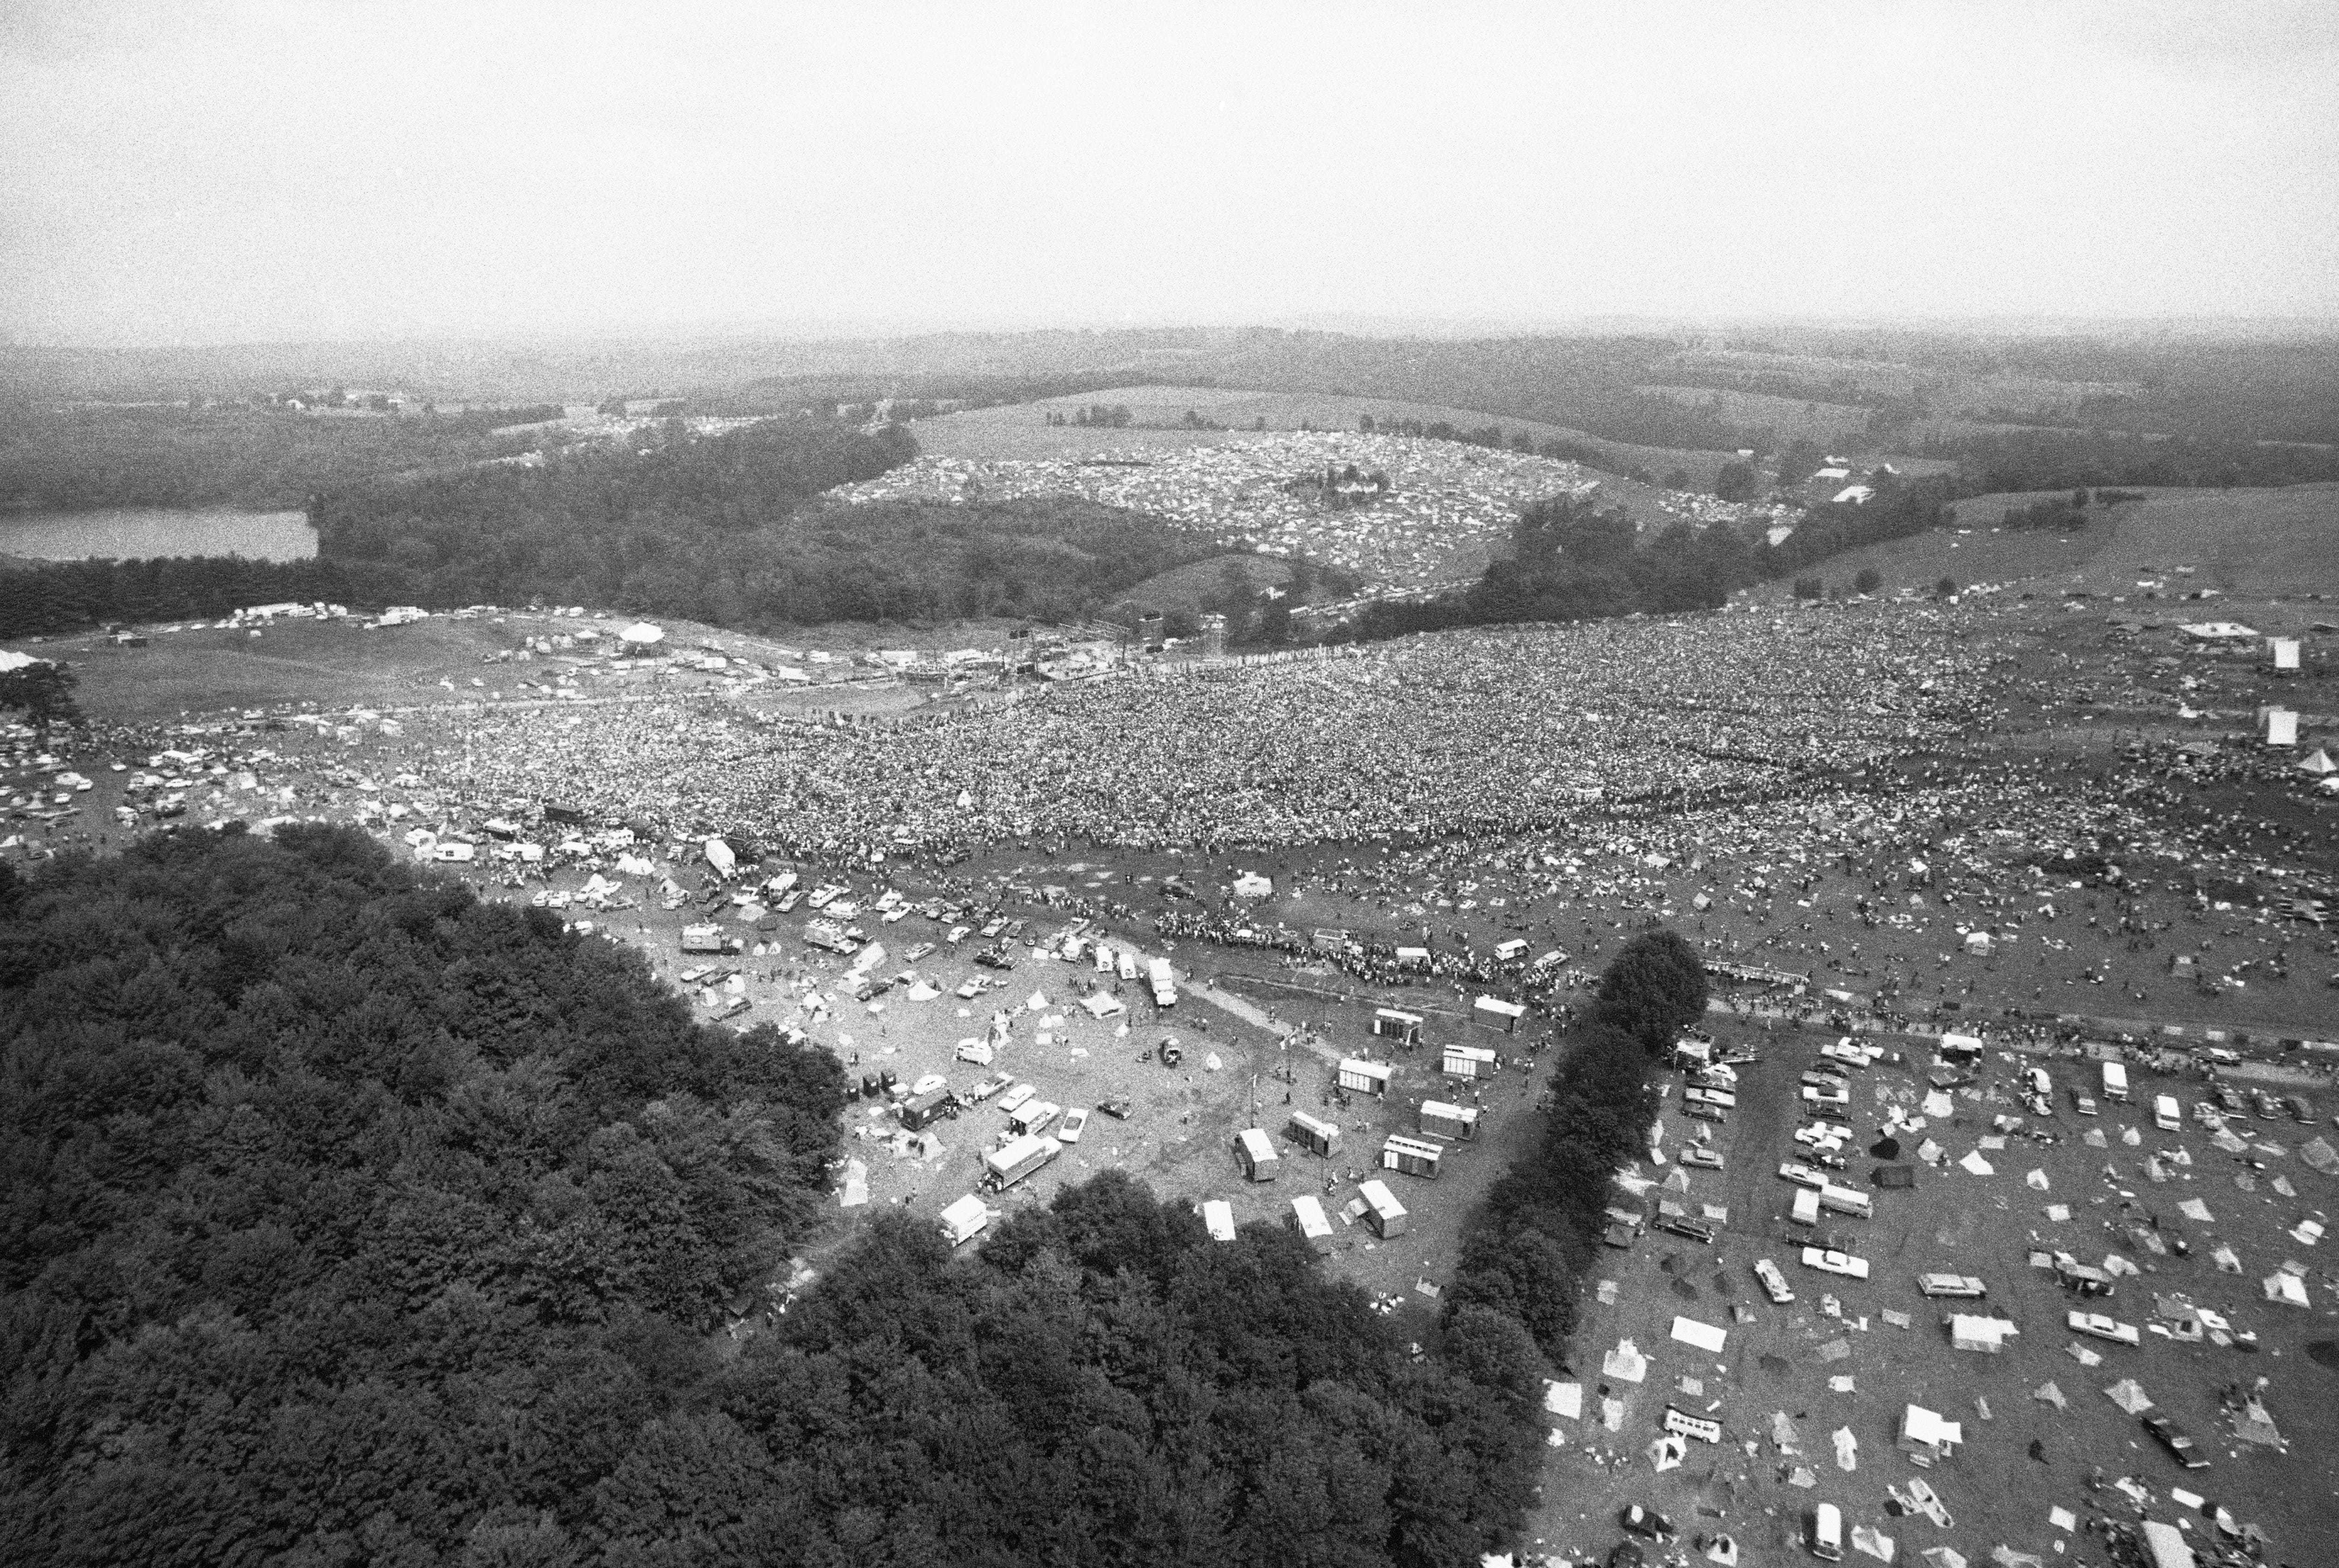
{"points": [[1405, 1027], [1413, 1156], [1467, 1061], [1218, 1219], [1458, 1122], [1363, 1076], [1315, 1229], [963, 1220], [1313, 1133], [1383, 1212], [1255, 1152], [1495, 1013], [2281, 727]]}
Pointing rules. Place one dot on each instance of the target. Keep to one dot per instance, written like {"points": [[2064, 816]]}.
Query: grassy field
{"points": [[2259, 542], [1781, 1360]]}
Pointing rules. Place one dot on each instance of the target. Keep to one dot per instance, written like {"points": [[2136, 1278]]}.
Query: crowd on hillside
{"points": [[1441, 502], [1490, 732]]}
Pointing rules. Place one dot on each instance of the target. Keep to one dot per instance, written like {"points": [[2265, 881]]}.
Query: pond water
{"points": [[128, 533]]}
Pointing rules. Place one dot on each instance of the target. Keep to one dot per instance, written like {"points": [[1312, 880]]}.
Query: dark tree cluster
{"points": [[1532, 1245], [43, 691], [346, 1219], [1994, 461], [54, 596]]}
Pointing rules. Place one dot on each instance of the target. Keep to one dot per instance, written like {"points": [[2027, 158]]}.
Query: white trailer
{"points": [[1467, 1061], [2116, 1081], [964, 1219], [1495, 1013], [1165, 989], [1313, 1133], [1255, 1152], [1004, 1168], [1219, 1219], [1847, 1200], [1405, 1027], [1383, 1212], [1413, 1156], [1363, 1076], [1457, 1123], [1315, 1229]]}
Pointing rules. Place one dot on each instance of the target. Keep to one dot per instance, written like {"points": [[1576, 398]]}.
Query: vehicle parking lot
{"points": [[1811, 1396]]}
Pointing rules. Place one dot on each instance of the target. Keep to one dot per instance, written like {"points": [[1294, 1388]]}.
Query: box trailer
{"points": [[1704, 1429], [1405, 1027], [2116, 1081], [1363, 1076], [1313, 1133], [1807, 1207], [1495, 1013], [1458, 1122], [1255, 1152], [1847, 1200], [921, 1111], [1125, 964], [1004, 1168], [1218, 1219], [1165, 990], [1467, 1061], [1034, 1116], [1412, 1156], [2165, 1115], [701, 939], [1308, 1218], [963, 1221], [1383, 1212]]}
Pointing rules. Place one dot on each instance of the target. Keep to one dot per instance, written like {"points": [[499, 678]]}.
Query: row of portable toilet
{"points": [[1260, 1160], [1359, 1076]]}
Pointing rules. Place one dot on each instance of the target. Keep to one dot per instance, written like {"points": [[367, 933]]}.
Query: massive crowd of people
{"points": [[1488, 732]]}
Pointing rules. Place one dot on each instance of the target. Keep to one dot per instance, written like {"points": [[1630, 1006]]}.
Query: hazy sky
{"points": [[202, 172]]}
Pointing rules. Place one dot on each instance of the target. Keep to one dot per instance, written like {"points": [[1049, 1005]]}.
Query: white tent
{"points": [[1625, 1364], [719, 857], [1102, 1005], [643, 634], [2287, 1289], [1988, 1335], [2318, 763]]}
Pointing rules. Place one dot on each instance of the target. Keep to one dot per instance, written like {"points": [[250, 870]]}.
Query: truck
{"points": [[701, 939], [921, 1111], [1157, 975], [1004, 1168], [1847, 1200], [964, 1220]]}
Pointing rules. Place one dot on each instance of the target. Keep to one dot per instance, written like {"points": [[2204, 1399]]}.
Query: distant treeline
{"points": [[352, 1219], [1993, 461], [1573, 561], [85, 459], [1531, 1247]]}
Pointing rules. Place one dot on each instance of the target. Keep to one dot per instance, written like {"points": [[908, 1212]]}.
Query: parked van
{"points": [[2040, 1084], [2165, 1115], [1827, 1533], [1847, 1200], [2116, 1081]]}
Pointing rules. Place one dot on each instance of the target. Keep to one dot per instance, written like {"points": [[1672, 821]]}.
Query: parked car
{"points": [[2085, 1104], [1016, 1096], [2102, 1327], [1704, 1113], [1694, 1230], [1075, 1123], [2177, 1441], [1117, 1108], [1699, 1155]]}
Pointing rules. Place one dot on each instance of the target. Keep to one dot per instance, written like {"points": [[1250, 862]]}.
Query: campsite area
{"points": [[1795, 1385]]}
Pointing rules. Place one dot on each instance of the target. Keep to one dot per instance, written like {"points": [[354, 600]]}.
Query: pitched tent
{"points": [[2287, 1289], [2319, 763]]}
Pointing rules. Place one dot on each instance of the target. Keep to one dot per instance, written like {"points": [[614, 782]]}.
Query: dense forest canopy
{"points": [[346, 1216], [350, 1219]]}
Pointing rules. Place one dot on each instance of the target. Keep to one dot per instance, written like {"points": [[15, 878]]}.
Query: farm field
{"points": [[1791, 1377], [1021, 429], [2252, 542], [1831, 425]]}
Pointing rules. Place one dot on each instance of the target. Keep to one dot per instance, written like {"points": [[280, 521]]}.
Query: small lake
{"points": [[129, 533]]}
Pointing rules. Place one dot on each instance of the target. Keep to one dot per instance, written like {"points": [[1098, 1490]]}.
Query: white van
{"points": [[2165, 1115], [1827, 1533], [2116, 1081]]}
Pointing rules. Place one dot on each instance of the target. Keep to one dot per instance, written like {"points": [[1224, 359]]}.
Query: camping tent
{"points": [[1704, 1335], [2286, 1289], [2319, 763], [642, 635]]}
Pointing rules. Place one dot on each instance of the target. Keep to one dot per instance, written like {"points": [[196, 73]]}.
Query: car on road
{"points": [[1699, 1155], [2103, 1328], [1694, 1230], [2177, 1441], [1075, 1123], [1646, 1522]]}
